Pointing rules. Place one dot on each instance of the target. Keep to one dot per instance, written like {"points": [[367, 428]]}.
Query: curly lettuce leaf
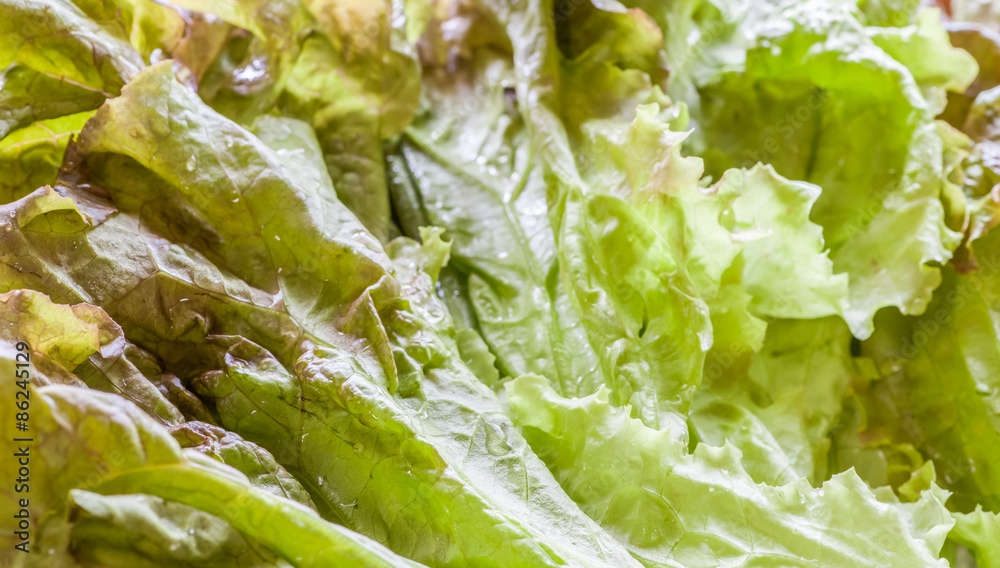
{"points": [[673, 508], [784, 100], [977, 531], [936, 393], [778, 405], [785, 268], [645, 252]]}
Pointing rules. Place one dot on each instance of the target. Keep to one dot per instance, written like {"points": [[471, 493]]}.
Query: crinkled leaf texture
{"points": [[345, 371], [233, 366], [678, 509], [652, 265], [99, 442], [800, 90], [84, 340], [936, 390], [61, 58], [778, 405]]}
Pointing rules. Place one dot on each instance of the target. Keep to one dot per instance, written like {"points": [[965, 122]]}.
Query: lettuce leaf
{"points": [[779, 93], [976, 531], [114, 448], [779, 405], [673, 508], [498, 284], [146, 531], [509, 272], [60, 58], [410, 406], [31, 157], [935, 391]]}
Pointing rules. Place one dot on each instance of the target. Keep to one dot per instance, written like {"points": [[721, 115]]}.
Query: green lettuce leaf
{"points": [[673, 508], [502, 245], [84, 340], [30, 157], [248, 458], [977, 531], [113, 448], [784, 264], [489, 489], [778, 405], [786, 96], [69, 57], [936, 392], [150, 532]]}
